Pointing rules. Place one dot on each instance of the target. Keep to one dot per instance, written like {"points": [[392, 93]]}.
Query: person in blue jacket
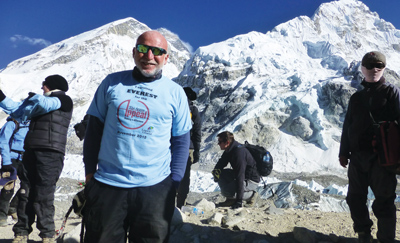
{"points": [[45, 143], [135, 149], [12, 136]]}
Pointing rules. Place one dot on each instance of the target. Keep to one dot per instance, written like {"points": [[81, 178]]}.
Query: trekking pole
{"points": [[59, 233]]}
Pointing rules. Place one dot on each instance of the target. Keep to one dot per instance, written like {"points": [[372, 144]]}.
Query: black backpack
{"points": [[263, 158]]}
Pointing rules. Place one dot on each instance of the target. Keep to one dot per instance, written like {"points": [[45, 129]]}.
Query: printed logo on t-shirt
{"points": [[148, 131], [133, 114]]}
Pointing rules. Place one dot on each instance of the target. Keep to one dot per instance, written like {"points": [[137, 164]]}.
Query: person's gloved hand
{"points": [[216, 173], [80, 130], [7, 173], [31, 94], [344, 161], [196, 156], [238, 204]]}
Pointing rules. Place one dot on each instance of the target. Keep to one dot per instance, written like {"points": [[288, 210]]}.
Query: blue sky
{"points": [[27, 26]]}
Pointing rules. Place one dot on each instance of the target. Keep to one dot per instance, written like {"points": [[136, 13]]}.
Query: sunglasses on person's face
{"points": [[157, 51], [378, 65]]}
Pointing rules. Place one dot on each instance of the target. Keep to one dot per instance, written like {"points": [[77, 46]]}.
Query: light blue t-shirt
{"points": [[139, 119]]}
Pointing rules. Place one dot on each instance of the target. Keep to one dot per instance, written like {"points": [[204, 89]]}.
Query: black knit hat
{"points": [[56, 82], [373, 57], [190, 93]]}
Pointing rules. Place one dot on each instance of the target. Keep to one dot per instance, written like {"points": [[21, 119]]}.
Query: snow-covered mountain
{"points": [[286, 89]]}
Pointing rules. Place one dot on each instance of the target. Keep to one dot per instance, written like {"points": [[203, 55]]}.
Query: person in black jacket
{"points": [[381, 101], [43, 159], [239, 183], [194, 148]]}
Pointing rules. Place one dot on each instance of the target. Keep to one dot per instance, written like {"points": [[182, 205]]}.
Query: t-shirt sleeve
{"points": [[98, 107], [181, 123]]}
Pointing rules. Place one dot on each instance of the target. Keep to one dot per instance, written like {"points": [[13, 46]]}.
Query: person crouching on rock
{"points": [[239, 183]]}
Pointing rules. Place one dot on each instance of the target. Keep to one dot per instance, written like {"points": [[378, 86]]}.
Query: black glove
{"points": [[216, 173], [238, 204], [31, 94], [196, 156], [80, 130], [7, 168]]}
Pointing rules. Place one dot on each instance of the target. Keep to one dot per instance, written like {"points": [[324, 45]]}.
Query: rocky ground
{"points": [[262, 223]]}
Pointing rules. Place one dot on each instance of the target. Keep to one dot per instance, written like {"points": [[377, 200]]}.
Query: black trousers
{"points": [[364, 171], [39, 173], [7, 193], [141, 214]]}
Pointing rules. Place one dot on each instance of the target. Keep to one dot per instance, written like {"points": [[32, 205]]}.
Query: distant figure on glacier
{"points": [[378, 101], [135, 149], [194, 149], [239, 183], [43, 159]]}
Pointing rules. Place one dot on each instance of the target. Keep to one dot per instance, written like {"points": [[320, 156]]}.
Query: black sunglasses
{"points": [[157, 51], [378, 65]]}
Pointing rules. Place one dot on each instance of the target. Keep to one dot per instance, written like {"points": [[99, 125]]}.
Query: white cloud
{"points": [[20, 39], [188, 46]]}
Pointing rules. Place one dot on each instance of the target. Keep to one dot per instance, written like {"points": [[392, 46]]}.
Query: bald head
{"points": [[155, 36], [148, 63]]}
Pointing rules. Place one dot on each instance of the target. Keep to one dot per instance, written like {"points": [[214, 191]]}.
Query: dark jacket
{"points": [[243, 165], [383, 100], [49, 131], [195, 132]]}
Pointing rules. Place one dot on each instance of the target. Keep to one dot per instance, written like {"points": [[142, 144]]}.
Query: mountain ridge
{"points": [[286, 89]]}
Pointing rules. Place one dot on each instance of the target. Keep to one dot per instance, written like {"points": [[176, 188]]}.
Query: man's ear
{"points": [[166, 58], [133, 52]]}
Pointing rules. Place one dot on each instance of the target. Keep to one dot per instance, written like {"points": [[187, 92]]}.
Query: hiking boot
{"points": [[364, 237], [252, 200], [20, 239], [228, 202], [11, 210], [49, 240], [3, 222]]}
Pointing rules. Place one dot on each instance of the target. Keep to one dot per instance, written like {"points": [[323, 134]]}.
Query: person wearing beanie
{"points": [[50, 115], [194, 148], [56, 82], [378, 101]]}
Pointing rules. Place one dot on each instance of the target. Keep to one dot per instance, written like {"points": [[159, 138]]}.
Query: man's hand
{"points": [[344, 161], [238, 204], [30, 95], [88, 177], [196, 156], [216, 173]]}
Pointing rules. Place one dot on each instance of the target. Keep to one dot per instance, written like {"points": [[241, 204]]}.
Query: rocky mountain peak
{"points": [[288, 89]]}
